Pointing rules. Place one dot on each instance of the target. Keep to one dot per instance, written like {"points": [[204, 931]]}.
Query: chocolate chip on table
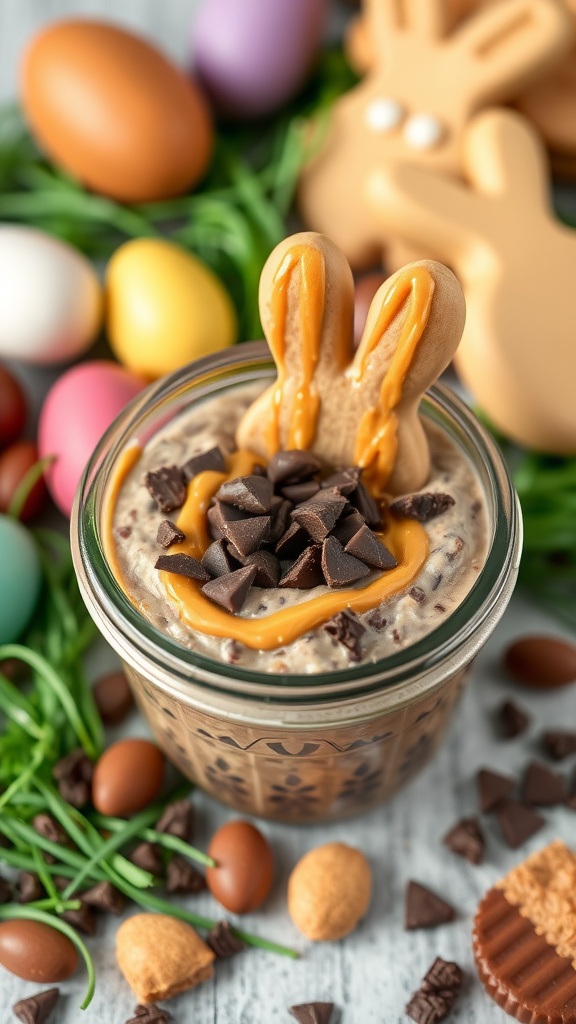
{"points": [[5, 891], [104, 896], [168, 534], [251, 494], [367, 506], [541, 662], [36, 1009], [83, 919], [30, 887], [113, 697], [267, 568], [246, 534], [47, 826], [287, 467], [148, 856], [217, 559], [222, 941], [73, 774], [182, 877], [559, 744], [212, 459], [312, 1013], [166, 487], [467, 840], [345, 481], [347, 629], [513, 720], [177, 819], [232, 590], [424, 909], [150, 1014], [292, 543], [340, 569], [437, 993], [517, 822], [302, 491], [366, 546], [306, 571], [422, 507], [542, 786], [492, 788], [182, 565], [319, 515]]}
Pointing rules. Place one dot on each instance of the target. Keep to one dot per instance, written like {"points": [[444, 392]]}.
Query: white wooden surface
{"points": [[371, 974]]}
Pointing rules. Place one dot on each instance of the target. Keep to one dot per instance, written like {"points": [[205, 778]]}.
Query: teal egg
{"points": [[20, 578]]}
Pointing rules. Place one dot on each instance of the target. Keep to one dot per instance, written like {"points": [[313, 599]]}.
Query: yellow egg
{"points": [[165, 307]]}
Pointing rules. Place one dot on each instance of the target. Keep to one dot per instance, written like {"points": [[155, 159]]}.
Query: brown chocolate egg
{"points": [[36, 952], [364, 291], [244, 869], [541, 662], [114, 112], [12, 408], [15, 462], [128, 777]]}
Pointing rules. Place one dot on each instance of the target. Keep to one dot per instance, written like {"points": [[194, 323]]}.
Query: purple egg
{"points": [[252, 56]]}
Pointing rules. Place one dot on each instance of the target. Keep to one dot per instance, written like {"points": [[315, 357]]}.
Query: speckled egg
{"points": [[20, 578]]}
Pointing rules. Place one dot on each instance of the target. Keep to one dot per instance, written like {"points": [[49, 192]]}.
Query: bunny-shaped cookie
{"points": [[517, 264], [416, 100], [352, 408]]}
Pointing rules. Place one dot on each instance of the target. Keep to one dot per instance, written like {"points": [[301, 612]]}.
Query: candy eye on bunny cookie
{"points": [[383, 114], [420, 131]]}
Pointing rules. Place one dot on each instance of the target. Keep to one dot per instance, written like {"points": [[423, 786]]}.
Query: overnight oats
{"points": [[298, 568]]}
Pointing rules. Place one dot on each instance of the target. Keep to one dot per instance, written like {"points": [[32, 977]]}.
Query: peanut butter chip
{"points": [[329, 891], [160, 956]]}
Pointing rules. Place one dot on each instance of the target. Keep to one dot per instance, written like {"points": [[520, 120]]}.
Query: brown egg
{"points": [[12, 408], [36, 952], [244, 868], [114, 112], [14, 464], [128, 777], [541, 662], [113, 698], [364, 291]]}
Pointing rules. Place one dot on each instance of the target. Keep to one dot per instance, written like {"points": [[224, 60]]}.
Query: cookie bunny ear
{"points": [[508, 44], [503, 155], [427, 18], [413, 328]]}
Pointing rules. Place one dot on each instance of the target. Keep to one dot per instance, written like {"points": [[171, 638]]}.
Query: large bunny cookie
{"points": [[352, 408], [517, 264], [416, 100]]}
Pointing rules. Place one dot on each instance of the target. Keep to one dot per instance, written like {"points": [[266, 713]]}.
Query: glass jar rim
{"points": [[241, 365]]}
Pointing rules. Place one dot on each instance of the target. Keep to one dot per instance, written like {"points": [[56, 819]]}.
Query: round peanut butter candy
{"points": [[329, 891]]}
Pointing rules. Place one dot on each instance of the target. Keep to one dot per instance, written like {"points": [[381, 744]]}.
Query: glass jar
{"points": [[295, 748]]}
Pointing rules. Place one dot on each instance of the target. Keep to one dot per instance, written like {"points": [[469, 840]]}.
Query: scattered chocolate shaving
{"points": [[168, 534], [422, 507], [367, 506], [517, 822], [492, 788], [318, 516], [232, 590], [312, 1013], [302, 491], [182, 877], [306, 571], [513, 719], [251, 494], [212, 459], [166, 487], [182, 565], [247, 534], [347, 629], [544, 787], [340, 569], [73, 774], [30, 887], [437, 993], [223, 942], [83, 919], [5, 891], [424, 909], [113, 698], [286, 467], [348, 526], [47, 826], [150, 1014], [292, 542], [467, 840], [104, 896], [217, 560], [267, 568], [177, 819], [559, 744], [366, 546], [37, 1008], [148, 856], [345, 481]]}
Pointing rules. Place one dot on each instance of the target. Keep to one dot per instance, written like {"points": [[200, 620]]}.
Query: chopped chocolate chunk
{"points": [[36, 1009], [104, 896], [302, 491], [437, 993], [366, 546], [543, 786], [182, 565], [367, 506], [182, 877], [5, 891], [422, 507], [319, 515], [150, 1014], [424, 909], [47, 826], [377, 620], [313, 1013], [73, 774], [212, 459], [166, 486], [306, 571], [113, 697], [347, 629], [417, 594], [232, 590], [168, 534], [340, 569], [559, 744], [217, 559], [492, 788], [267, 568], [348, 526], [467, 840], [124, 532], [83, 919], [513, 720], [251, 494], [247, 534], [292, 466], [281, 509], [177, 819], [292, 542], [517, 822], [223, 942], [148, 856], [30, 887], [345, 481]]}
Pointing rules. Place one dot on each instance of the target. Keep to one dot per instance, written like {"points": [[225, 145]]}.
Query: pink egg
{"points": [[79, 407]]}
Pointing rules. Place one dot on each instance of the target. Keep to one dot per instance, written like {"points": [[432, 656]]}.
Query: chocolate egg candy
{"points": [[12, 408], [541, 662], [244, 868], [364, 291], [36, 952], [14, 465], [128, 777]]}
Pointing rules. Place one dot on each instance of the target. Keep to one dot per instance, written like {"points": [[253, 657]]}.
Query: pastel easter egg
{"points": [[20, 578]]}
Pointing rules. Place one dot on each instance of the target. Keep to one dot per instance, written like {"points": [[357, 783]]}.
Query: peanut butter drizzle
{"points": [[310, 263], [126, 461], [377, 438]]}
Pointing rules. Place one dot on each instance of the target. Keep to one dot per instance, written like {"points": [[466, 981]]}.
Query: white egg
{"points": [[50, 298]]}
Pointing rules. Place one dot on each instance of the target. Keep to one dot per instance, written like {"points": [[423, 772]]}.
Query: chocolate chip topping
{"points": [[182, 877], [365, 545], [281, 510], [302, 491], [422, 507], [37, 1008], [222, 941], [232, 590], [247, 534], [437, 993], [182, 565], [513, 719], [348, 526], [217, 559], [212, 459], [340, 569], [150, 1014], [367, 506], [424, 909], [306, 571], [347, 629], [168, 534], [104, 896], [313, 1013], [345, 482], [543, 786], [492, 788], [318, 515], [166, 487], [559, 744], [249, 493], [286, 467], [292, 543], [267, 568], [467, 840]]}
